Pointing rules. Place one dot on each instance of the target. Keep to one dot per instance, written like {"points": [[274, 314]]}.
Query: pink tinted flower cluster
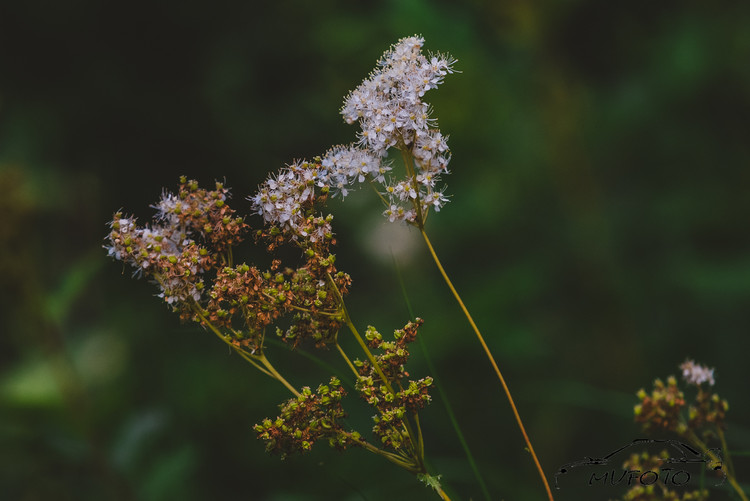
{"points": [[697, 374], [389, 109], [391, 113]]}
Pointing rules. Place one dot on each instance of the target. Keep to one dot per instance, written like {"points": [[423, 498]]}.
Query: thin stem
{"points": [[492, 361], [419, 435], [267, 368], [387, 455], [373, 361], [357, 336], [725, 448], [380, 195], [442, 494], [267, 364], [730, 476], [412, 173], [221, 336], [346, 358], [441, 390]]}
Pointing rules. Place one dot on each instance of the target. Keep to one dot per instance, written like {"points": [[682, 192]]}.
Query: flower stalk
{"points": [[487, 352]]}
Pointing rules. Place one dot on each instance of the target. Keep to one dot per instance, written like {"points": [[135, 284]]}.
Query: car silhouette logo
{"points": [[680, 454]]}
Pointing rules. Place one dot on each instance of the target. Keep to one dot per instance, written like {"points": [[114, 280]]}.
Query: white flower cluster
{"points": [[389, 108], [389, 104], [345, 165], [285, 198], [697, 374], [391, 113], [286, 201]]}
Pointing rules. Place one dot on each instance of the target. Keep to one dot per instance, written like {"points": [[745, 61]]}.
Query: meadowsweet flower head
{"points": [[346, 165], [190, 229], [697, 374], [388, 105], [389, 108], [391, 113]]}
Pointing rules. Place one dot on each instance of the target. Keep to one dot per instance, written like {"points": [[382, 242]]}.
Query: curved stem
{"points": [[276, 374], [419, 434], [442, 494], [357, 336], [441, 390], [730, 476], [725, 448], [346, 358], [380, 195], [393, 458], [253, 359], [491, 359]]}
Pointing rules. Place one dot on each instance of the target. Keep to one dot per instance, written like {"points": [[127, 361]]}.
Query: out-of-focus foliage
{"points": [[598, 230]]}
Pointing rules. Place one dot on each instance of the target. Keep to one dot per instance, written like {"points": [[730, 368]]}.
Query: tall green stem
{"points": [[443, 396], [491, 359]]}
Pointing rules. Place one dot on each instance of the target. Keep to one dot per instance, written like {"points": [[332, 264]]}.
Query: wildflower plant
{"points": [[699, 421], [187, 252], [653, 464]]}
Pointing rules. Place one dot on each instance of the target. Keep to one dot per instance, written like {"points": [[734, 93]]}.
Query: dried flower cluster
{"points": [[658, 490], [664, 410], [190, 232], [661, 411], [393, 398], [187, 251], [306, 419], [312, 416]]}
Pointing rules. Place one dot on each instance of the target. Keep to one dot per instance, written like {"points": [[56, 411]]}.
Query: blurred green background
{"points": [[597, 230]]}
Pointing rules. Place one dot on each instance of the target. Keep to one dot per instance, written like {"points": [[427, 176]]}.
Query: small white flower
{"points": [[697, 374]]}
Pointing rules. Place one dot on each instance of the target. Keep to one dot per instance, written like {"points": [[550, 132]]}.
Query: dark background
{"points": [[598, 230]]}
